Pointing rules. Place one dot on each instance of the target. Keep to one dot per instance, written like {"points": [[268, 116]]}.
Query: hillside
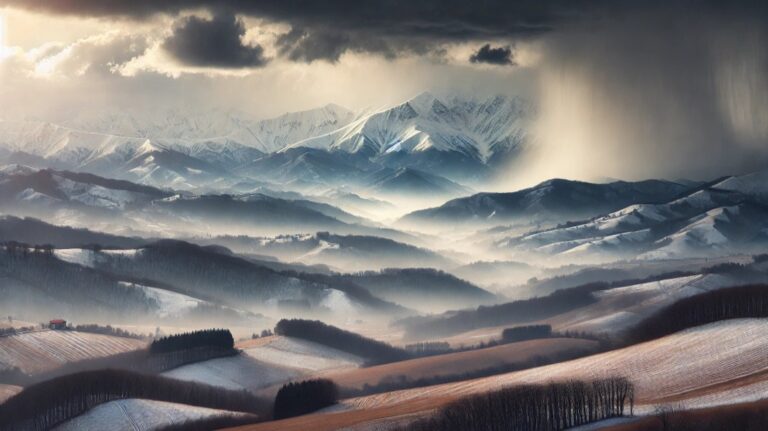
{"points": [[460, 363], [44, 350], [422, 289], [716, 364], [138, 414], [718, 218], [553, 200]]}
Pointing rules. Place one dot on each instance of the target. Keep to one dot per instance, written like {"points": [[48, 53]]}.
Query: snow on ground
{"points": [[171, 303], [303, 355], [754, 184], [137, 415], [338, 302], [38, 351], [702, 366], [77, 256], [621, 307], [234, 372]]}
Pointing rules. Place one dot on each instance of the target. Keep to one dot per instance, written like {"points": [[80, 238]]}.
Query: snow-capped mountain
{"points": [[474, 128], [460, 139], [193, 127]]}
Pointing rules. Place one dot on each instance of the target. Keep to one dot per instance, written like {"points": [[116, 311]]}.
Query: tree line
{"points": [[214, 338], [46, 404], [554, 406], [298, 398], [189, 347], [375, 352], [730, 303], [523, 333], [398, 382]]}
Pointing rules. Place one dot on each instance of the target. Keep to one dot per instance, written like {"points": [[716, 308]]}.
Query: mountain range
{"points": [[445, 140]]}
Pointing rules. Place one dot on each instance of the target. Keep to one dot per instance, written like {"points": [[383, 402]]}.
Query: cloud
{"points": [[215, 42], [499, 56], [327, 30]]}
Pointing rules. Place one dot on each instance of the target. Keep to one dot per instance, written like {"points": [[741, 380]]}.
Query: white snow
{"points": [[754, 184], [171, 303], [338, 302], [235, 372], [78, 256], [137, 415], [303, 355]]}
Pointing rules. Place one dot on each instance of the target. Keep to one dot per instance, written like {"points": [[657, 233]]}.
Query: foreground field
{"points": [[39, 351], [7, 391], [716, 364], [459, 363], [137, 415]]}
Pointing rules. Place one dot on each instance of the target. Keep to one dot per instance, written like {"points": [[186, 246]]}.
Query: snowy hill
{"points": [[556, 200], [728, 216]]}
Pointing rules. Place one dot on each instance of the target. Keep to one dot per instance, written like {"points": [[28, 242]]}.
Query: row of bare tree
{"points": [[550, 407]]}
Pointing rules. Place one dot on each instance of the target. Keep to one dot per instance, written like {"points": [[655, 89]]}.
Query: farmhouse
{"points": [[57, 324]]}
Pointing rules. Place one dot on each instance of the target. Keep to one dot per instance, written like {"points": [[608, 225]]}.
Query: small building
{"points": [[57, 324]]}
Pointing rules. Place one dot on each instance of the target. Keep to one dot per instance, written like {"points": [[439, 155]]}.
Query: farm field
{"points": [[234, 372], [716, 364], [137, 415], [622, 307], [460, 362], [39, 351], [303, 355], [7, 391]]}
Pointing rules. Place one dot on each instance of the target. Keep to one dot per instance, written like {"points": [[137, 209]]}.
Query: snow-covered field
{"points": [[39, 351], [234, 372], [715, 364], [303, 355], [137, 415], [619, 308]]}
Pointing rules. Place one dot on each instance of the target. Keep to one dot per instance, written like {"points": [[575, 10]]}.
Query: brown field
{"points": [[717, 364], [39, 351], [7, 391], [459, 363], [257, 342], [708, 415], [338, 420]]}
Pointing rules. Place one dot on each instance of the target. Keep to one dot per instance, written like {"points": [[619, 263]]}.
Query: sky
{"points": [[624, 89]]}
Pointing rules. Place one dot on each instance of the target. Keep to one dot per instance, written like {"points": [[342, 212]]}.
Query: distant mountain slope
{"points": [[82, 199], [422, 289], [721, 217], [36, 232], [408, 181], [458, 138], [556, 199], [346, 252], [210, 272], [477, 128]]}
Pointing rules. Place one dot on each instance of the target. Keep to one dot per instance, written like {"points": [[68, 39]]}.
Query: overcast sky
{"points": [[625, 89]]}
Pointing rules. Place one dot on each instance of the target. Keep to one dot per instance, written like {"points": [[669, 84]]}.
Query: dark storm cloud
{"points": [[325, 30], [328, 29], [213, 42], [486, 54]]}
